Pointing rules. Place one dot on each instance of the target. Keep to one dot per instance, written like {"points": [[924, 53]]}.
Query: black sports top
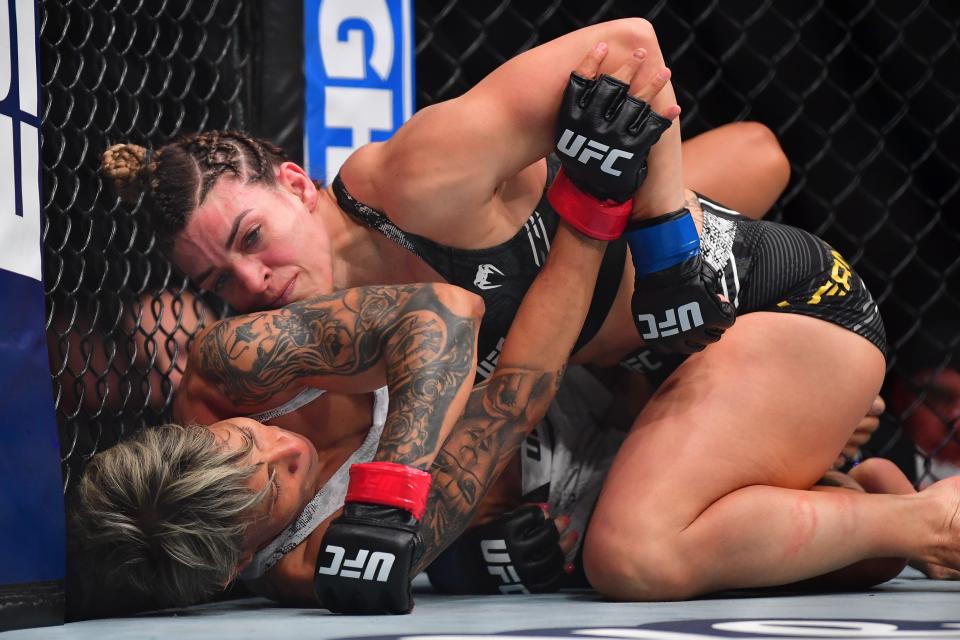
{"points": [[501, 274]]}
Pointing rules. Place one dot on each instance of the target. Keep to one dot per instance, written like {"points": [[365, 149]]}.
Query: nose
{"points": [[284, 451], [252, 275]]}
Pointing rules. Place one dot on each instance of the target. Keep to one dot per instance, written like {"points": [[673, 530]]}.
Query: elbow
{"points": [[468, 308], [461, 302]]}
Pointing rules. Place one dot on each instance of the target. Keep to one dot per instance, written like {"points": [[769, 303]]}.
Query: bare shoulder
{"points": [[361, 171]]}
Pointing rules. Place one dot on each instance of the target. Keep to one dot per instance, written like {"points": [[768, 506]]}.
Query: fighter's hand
{"points": [[605, 130], [861, 435], [678, 306], [367, 555], [645, 83], [523, 551]]}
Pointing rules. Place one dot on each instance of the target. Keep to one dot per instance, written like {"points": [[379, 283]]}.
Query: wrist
{"points": [[662, 242], [389, 484], [591, 216]]}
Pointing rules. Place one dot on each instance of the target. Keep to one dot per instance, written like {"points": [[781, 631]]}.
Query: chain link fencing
{"points": [[118, 316], [862, 95]]}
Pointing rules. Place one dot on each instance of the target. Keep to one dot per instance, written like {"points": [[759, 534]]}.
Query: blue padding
{"points": [[31, 486], [661, 245]]}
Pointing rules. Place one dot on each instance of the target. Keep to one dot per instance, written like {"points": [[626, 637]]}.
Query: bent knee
{"points": [[763, 142], [762, 149], [634, 33], [627, 569]]}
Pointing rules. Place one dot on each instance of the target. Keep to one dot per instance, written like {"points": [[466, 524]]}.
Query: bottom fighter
{"points": [[177, 512]]}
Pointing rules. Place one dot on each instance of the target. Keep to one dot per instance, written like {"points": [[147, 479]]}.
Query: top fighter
{"points": [[446, 179]]}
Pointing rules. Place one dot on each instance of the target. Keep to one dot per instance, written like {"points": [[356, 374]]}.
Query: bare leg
{"points": [[725, 452], [741, 165], [872, 476], [882, 476]]}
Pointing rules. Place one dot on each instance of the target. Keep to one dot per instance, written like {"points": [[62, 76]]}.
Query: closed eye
{"points": [[275, 479], [220, 282]]}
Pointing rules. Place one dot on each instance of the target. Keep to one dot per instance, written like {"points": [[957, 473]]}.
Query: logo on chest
{"points": [[484, 273]]}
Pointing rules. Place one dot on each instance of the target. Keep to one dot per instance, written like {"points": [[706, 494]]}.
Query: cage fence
{"points": [[863, 97]]}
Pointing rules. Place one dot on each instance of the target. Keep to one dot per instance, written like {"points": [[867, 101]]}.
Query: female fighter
{"points": [[747, 425]]}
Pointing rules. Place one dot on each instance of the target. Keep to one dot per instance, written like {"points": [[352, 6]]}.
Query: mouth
{"points": [[284, 298]]}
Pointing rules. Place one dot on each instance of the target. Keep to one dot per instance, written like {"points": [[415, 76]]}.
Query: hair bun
{"points": [[125, 166]]}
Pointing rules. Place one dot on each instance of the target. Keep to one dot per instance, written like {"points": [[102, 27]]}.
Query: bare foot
{"points": [[946, 548], [935, 571]]}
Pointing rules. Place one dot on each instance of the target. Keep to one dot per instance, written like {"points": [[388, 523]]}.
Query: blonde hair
{"points": [[166, 510], [175, 179]]}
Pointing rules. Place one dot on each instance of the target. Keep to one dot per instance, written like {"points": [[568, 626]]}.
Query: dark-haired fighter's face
{"points": [[257, 247]]}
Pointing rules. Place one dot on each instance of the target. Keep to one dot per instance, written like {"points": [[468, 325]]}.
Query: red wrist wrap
{"points": [[390, 484], [600, 219]]}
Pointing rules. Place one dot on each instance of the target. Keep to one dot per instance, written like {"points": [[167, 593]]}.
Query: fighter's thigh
{"points": [[770, 404], [740, 165]]}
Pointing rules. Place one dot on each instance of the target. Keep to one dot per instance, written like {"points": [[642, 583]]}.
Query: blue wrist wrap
{"points": [[659, 244]]}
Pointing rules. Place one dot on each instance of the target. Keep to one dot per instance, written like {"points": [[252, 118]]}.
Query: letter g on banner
{"points": [[359, 74]]}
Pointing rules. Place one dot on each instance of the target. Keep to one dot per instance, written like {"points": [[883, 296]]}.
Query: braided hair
{"points": [[174, 180]]}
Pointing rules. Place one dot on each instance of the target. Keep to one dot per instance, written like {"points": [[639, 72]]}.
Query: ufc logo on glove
{"points": [[499, 564], [376, 568], [689, 315], [571, 146]]}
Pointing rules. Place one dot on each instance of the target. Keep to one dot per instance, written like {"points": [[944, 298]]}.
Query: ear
{"points": [[292, 177]]}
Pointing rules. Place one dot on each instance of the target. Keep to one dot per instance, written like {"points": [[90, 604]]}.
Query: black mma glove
{"points": [[603, 138], [675, 292], [368, 554], [519, 552]]}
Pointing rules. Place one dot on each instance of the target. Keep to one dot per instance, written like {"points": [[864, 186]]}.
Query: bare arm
{"points": [[500, 413], [535, 352], [451, 157], [418, 339]]}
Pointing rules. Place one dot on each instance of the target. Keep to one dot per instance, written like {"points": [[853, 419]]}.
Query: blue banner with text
{"points": [[31, 488], [359, 74]]}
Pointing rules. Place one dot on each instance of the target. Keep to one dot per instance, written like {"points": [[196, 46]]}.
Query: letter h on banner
{"points": [[359, 73]]}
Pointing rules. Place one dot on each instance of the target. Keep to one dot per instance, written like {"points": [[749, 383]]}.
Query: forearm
{"points": [[489, 434], [500, 414], [431, 361], [555, 306]]}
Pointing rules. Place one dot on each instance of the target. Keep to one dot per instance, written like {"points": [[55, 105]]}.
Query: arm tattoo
{"points": [[497, 419], [427, 351], [427, 364]]}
